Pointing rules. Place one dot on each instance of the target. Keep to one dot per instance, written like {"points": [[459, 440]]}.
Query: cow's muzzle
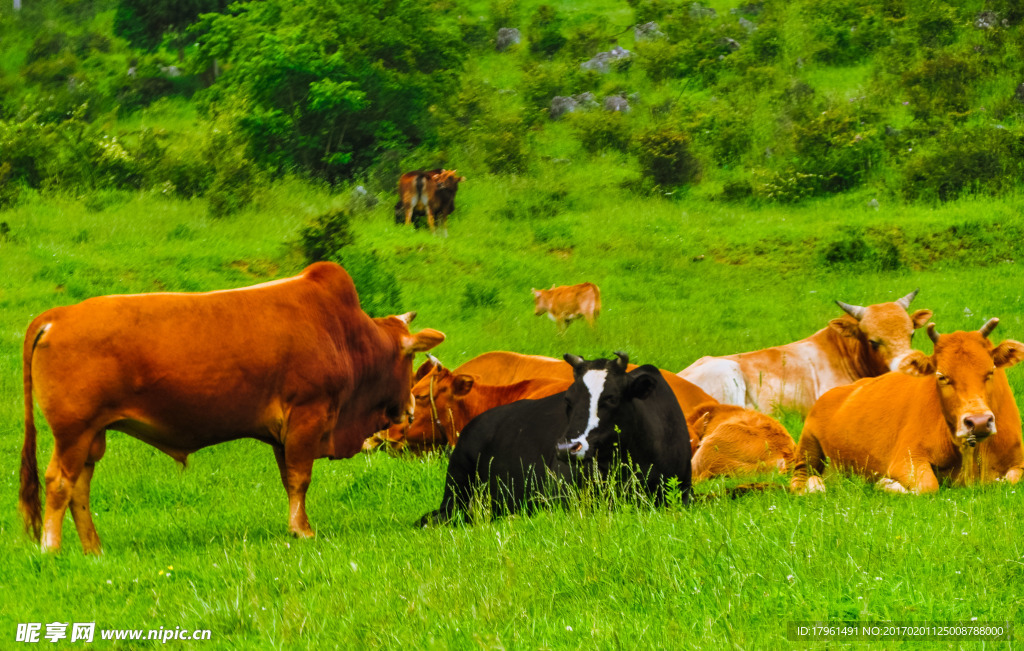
{"points": [[978, 427], [566, 450]]}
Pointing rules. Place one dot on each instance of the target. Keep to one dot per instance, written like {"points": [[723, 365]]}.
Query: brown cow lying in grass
{"points": [[445, 400], [737, 441], [563, 304], [951, 416]]}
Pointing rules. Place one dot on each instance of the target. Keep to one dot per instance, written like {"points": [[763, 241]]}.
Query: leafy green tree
{"points": [[327, 85], [143, 23]]}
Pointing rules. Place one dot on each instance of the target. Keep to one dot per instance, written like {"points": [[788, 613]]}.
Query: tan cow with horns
{"points": [[294, 363], [951, 416], [866, 342]]}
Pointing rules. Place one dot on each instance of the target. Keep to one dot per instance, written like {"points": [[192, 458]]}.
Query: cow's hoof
{"points": [[890, 485], [815, 485], [303, 533]]}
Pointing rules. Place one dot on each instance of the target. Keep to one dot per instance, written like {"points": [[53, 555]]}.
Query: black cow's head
{"points": [[593, 402]]}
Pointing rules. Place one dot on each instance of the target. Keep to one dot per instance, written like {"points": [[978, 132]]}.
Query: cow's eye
{"points": [[875, 345], [943, 379], [989, 375]]}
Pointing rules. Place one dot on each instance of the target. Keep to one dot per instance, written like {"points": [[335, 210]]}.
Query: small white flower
{"points": [[353, 565], [569, 628], [878, 578]]}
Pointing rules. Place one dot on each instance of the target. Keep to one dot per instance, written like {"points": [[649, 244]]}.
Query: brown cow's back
{"points": [[737, 441]]}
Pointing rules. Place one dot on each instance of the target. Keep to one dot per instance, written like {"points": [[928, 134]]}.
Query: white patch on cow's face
{"points": [[594, 381]]}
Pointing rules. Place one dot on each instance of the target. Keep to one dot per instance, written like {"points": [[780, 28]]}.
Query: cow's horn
{"points": [[433, 360], [905, 301], [989, 326], [856, 311], [934, 336], [623, 360], [574, 360]]}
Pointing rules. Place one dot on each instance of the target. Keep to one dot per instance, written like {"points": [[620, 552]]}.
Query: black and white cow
{"points": [[510, 450], [632, 415], [525, 451]]}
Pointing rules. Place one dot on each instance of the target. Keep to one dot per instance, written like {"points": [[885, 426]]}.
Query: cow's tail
{"points": [[29, 498], [421, 180]]}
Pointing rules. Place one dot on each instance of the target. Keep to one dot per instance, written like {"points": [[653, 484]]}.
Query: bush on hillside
{"points": [[839, 146], [506, 145], [600, 130], [326, 236], [979, 160], [545, 31], [378, 288], [666, 158], [940, 88]]}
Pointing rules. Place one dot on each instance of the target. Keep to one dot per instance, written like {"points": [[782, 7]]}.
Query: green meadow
{"points": [[778, 156], [207, 547]]}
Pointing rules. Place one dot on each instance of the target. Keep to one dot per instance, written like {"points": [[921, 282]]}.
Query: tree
{"points": [[329, 84], [143, 23]]}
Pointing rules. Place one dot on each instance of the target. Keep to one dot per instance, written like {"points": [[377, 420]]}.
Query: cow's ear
{"points": [[641, 386], [916, 363], [422, 341], [425, 369], [406, 318], [1008, 353], [461, 385], [920, 318], [536, 293], [700, 427], [846, 326]]}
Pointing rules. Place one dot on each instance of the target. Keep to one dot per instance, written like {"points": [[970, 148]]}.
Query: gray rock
{"points": [[507, 36], [730, 43], [697, 10], [585, 101], [648, 32], [560, 105], [601, 60], [986, 20], [171, 71], [747, 25], [360, 199], [616, 104]]}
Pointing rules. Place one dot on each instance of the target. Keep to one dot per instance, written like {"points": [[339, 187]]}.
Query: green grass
{"points": [[728, 573]]}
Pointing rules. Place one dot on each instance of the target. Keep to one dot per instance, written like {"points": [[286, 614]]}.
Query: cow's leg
{"points": [[408, 213], [430, 219], [808, 453], [295, 461], [62, 473], [80, 510]]}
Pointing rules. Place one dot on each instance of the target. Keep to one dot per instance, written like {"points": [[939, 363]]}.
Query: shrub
{"points": [[326, 236], [788, 186], [379, 292], [660, 60], [506, 145], [599, 130], [10, 190], [851, 249], [537, 204], [665, 157], [476, 296], [545, 32], [980, 160], [838, 145], [940, 88], [504, 13]]}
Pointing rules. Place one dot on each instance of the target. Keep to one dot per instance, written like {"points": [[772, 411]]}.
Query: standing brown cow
{"points": [[563, 304], [429, 192], [294, 363]]}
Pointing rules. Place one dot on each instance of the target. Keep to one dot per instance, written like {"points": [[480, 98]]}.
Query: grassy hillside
{"points": [[749, 253]]}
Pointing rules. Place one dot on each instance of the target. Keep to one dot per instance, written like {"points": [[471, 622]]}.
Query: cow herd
{"points": [[297, 364]]}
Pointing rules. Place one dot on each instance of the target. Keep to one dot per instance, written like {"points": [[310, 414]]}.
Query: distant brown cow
{"points": [[949, 416], [294, 363], [737, 441], [445, 401], [563, 304], [429, 192]]}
